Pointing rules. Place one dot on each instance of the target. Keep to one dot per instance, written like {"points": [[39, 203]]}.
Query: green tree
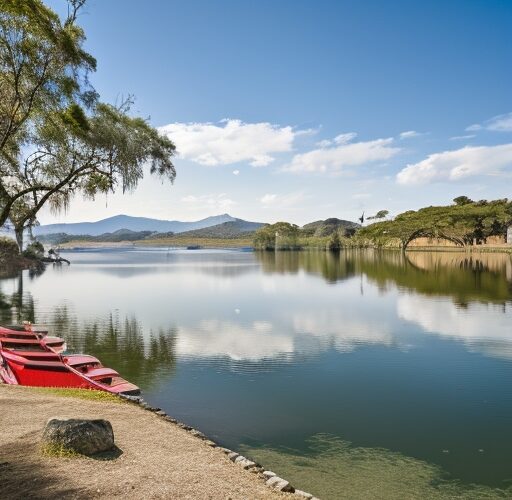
{"points": [[462, 200], [334, 241], [56, 137], [381, 214], [278, 236]]}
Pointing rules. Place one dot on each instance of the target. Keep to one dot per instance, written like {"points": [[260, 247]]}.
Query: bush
{"points": [[34, 251], [8, 248]]}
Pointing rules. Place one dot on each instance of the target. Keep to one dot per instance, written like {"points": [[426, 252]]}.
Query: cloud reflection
{"points": [[483, 328]]}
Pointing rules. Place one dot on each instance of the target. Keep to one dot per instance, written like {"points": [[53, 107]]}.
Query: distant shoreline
{"points": [[221, 243]]}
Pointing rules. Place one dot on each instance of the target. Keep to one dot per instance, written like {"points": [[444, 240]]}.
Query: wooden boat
{"points": [[29, 356]]}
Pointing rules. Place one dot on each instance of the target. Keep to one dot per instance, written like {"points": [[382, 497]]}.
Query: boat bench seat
{"points": [[99, 373], [48, 356], [80, 359]]}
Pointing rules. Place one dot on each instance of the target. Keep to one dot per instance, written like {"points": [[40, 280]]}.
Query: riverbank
{"points": [[157, 458]]}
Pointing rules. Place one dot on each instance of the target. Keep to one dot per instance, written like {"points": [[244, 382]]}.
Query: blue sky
{"points": [[299, 110]]}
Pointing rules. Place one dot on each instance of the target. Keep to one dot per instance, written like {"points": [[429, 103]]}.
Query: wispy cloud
{"points": [[458, 164], [338, 154], [231, 141], [462, 137], [236, 172], [408, 134], [499, 123], [282, 201], [218, 202]]}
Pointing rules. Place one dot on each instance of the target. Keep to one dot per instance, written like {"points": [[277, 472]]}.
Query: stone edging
{"points": [[269, 477]]}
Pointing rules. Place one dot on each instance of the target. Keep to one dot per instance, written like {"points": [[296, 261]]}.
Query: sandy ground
{"points": [[157, 458]]}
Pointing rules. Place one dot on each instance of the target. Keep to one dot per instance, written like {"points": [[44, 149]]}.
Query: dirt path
{"points": [[158, 460]]}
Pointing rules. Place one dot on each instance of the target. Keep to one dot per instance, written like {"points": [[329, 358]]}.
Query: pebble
{"points": [[233, 456]]}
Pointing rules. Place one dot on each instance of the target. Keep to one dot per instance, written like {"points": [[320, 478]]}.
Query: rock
{"points": [[268, 474], [161, 413], [227, 451], [233, 456], [244, 462], [170, 419], [280, 484], [86, 437], [197, 433], [303, 494], [210, 443]]}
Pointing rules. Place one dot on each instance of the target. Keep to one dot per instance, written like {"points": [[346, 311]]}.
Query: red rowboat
{"points": [[28, 356]]}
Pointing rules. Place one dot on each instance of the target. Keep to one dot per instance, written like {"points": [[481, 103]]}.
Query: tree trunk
{"points": [[19, 238]]}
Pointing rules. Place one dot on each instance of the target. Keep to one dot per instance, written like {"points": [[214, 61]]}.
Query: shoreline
{"points": [[159, 456], [221, 245]]}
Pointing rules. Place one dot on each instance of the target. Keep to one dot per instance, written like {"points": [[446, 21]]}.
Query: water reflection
{"points": [[464, 277], [411, 353], [118, 344]]}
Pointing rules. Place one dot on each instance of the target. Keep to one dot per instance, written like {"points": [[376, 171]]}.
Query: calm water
{"points": [[341, 372]]}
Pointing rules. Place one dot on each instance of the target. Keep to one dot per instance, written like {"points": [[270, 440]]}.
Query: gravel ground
{"points": [[157, 459]]}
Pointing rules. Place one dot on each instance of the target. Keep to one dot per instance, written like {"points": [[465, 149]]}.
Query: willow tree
{"points": [[56, 138]]}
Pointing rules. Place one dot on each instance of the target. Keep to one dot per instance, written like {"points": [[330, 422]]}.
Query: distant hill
{"points": [[126, 222], [326, 227], [232, 229]]}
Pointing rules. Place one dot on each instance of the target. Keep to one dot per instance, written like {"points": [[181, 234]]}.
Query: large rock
{"points": [[86, 437]]}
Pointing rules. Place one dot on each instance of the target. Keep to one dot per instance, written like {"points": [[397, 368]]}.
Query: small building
{"points": [[509, 235]]}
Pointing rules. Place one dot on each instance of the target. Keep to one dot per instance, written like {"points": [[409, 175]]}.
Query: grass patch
{"points": [[59, 451], [88, 394]]}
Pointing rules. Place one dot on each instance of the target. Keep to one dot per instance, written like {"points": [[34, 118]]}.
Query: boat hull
{"points": [[35, 359]]}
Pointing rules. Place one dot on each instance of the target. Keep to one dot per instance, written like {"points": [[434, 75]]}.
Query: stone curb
{"points": [[270, 478]]}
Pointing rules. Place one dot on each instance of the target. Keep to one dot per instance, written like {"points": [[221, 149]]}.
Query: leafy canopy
{"points": [[56, 137]]}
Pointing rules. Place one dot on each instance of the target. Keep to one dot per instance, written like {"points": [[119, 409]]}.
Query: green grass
{"points": [[88, 394], [58, 450]]}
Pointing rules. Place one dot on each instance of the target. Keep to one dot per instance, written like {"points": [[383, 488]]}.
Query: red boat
{"points": [[29, 356]]}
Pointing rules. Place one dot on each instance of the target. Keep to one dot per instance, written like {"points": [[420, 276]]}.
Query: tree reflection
{"points": [[122, 345], [464, 277]]}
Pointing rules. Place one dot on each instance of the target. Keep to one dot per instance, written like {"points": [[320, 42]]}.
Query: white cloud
{"points": [[408, 134], [499, 123], [231, 141], [283, 200], [458, 164], [342, 153], [218, 202], [474, 128], [236, 172], [361, 196], [462, 137], [268, 198]]}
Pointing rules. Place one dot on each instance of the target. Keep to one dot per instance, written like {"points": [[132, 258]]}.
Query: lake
{"points": [[360, 374]]}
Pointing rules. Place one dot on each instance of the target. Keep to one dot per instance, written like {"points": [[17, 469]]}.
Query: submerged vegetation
{"points": [[335, 469]]}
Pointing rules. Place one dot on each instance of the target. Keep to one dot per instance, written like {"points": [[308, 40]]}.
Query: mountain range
{"points": [[113, 224]]}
